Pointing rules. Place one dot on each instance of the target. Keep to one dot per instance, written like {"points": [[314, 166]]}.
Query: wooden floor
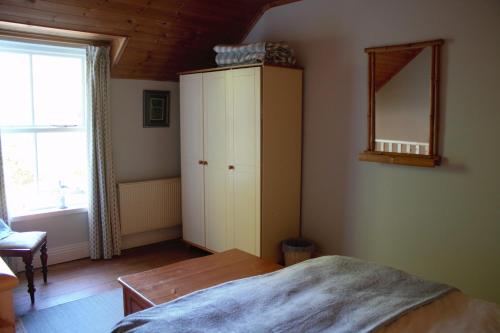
{"points": [[82, 278]]}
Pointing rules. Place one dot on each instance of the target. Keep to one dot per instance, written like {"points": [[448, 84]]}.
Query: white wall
{"points": [[138, 153], [403, 105], [61, 230], [441, 223], [143, 153]]}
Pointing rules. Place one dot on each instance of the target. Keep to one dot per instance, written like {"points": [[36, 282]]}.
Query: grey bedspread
{"points": [[326, 294]]}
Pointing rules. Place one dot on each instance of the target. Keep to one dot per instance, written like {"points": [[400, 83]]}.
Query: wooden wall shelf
{"points": [[399, 158]]}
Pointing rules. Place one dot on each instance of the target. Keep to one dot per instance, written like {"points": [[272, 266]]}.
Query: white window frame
{"points": [[31, 49]]}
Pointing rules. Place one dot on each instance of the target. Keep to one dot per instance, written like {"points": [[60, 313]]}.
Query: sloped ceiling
{"points": [[388, 64], [165, 36]]}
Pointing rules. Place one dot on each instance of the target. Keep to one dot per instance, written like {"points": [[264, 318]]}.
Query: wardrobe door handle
{"points": [[205, 163], [200, 162], [231, 167]]}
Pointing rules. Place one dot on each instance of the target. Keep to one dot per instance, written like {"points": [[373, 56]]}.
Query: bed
{"points": [[325, 294]]}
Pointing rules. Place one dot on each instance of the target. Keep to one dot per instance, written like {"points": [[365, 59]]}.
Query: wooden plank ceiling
{"points": [[390, 63], [165, 36]]}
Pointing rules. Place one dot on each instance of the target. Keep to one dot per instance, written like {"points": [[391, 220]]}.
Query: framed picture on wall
{"points": [[156, 111]]}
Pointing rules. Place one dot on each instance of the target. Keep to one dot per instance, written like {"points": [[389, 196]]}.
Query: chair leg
{"points": [[43, 259], [28, 262]]}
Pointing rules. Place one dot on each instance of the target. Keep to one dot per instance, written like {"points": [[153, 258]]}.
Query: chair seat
{"points": [[25, 244], [19, 241]]}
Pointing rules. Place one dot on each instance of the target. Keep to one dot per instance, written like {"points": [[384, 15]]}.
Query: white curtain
{"points": [[104, 224], [4, 215]]}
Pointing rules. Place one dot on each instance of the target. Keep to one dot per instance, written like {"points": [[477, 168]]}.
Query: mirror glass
{"points": [[403, 100]]}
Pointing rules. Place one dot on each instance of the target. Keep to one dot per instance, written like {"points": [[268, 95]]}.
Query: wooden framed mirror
{"points": [[403, 110]]}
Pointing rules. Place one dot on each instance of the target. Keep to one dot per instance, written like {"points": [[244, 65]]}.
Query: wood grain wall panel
{"points": [[388, 64], [165, 36]]}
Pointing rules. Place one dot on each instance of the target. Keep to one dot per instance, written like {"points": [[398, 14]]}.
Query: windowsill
{"points": [[46, 213]]}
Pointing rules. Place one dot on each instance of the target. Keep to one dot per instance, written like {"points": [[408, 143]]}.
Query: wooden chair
{"points": [[25, 245]]}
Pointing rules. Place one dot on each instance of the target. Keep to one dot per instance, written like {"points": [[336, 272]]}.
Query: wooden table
{"points": [[146, 289]]}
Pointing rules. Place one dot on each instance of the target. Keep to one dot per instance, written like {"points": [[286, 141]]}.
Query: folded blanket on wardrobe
{"points": [[231, 58], [268, 52]]}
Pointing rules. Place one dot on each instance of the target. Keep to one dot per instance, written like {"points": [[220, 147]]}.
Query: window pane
{"points": [[62, 167], [58, 90], [18, 152], [42, 85], [15, 89]]}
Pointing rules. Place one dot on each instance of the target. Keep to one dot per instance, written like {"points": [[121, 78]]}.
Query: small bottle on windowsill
{"points": [[62, 198]]}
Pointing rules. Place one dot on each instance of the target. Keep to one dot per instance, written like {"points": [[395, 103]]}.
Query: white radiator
{"points": [[149, 205]]}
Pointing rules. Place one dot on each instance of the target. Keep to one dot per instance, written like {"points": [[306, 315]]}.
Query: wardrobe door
{"points": [[215, 139], [191, 125], [245, 225]]}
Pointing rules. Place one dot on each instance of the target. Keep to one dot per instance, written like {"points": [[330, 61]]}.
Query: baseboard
{"points": [[57, 255], [150, 237]]}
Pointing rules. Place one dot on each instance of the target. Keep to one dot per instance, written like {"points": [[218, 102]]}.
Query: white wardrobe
{"points": [[241, 139]]}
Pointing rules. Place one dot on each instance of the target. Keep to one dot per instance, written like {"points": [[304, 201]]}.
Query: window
{"points": [[43, 126]]}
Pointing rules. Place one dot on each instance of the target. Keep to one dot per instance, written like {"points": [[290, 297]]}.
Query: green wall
{"points": [[442, 223]]}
